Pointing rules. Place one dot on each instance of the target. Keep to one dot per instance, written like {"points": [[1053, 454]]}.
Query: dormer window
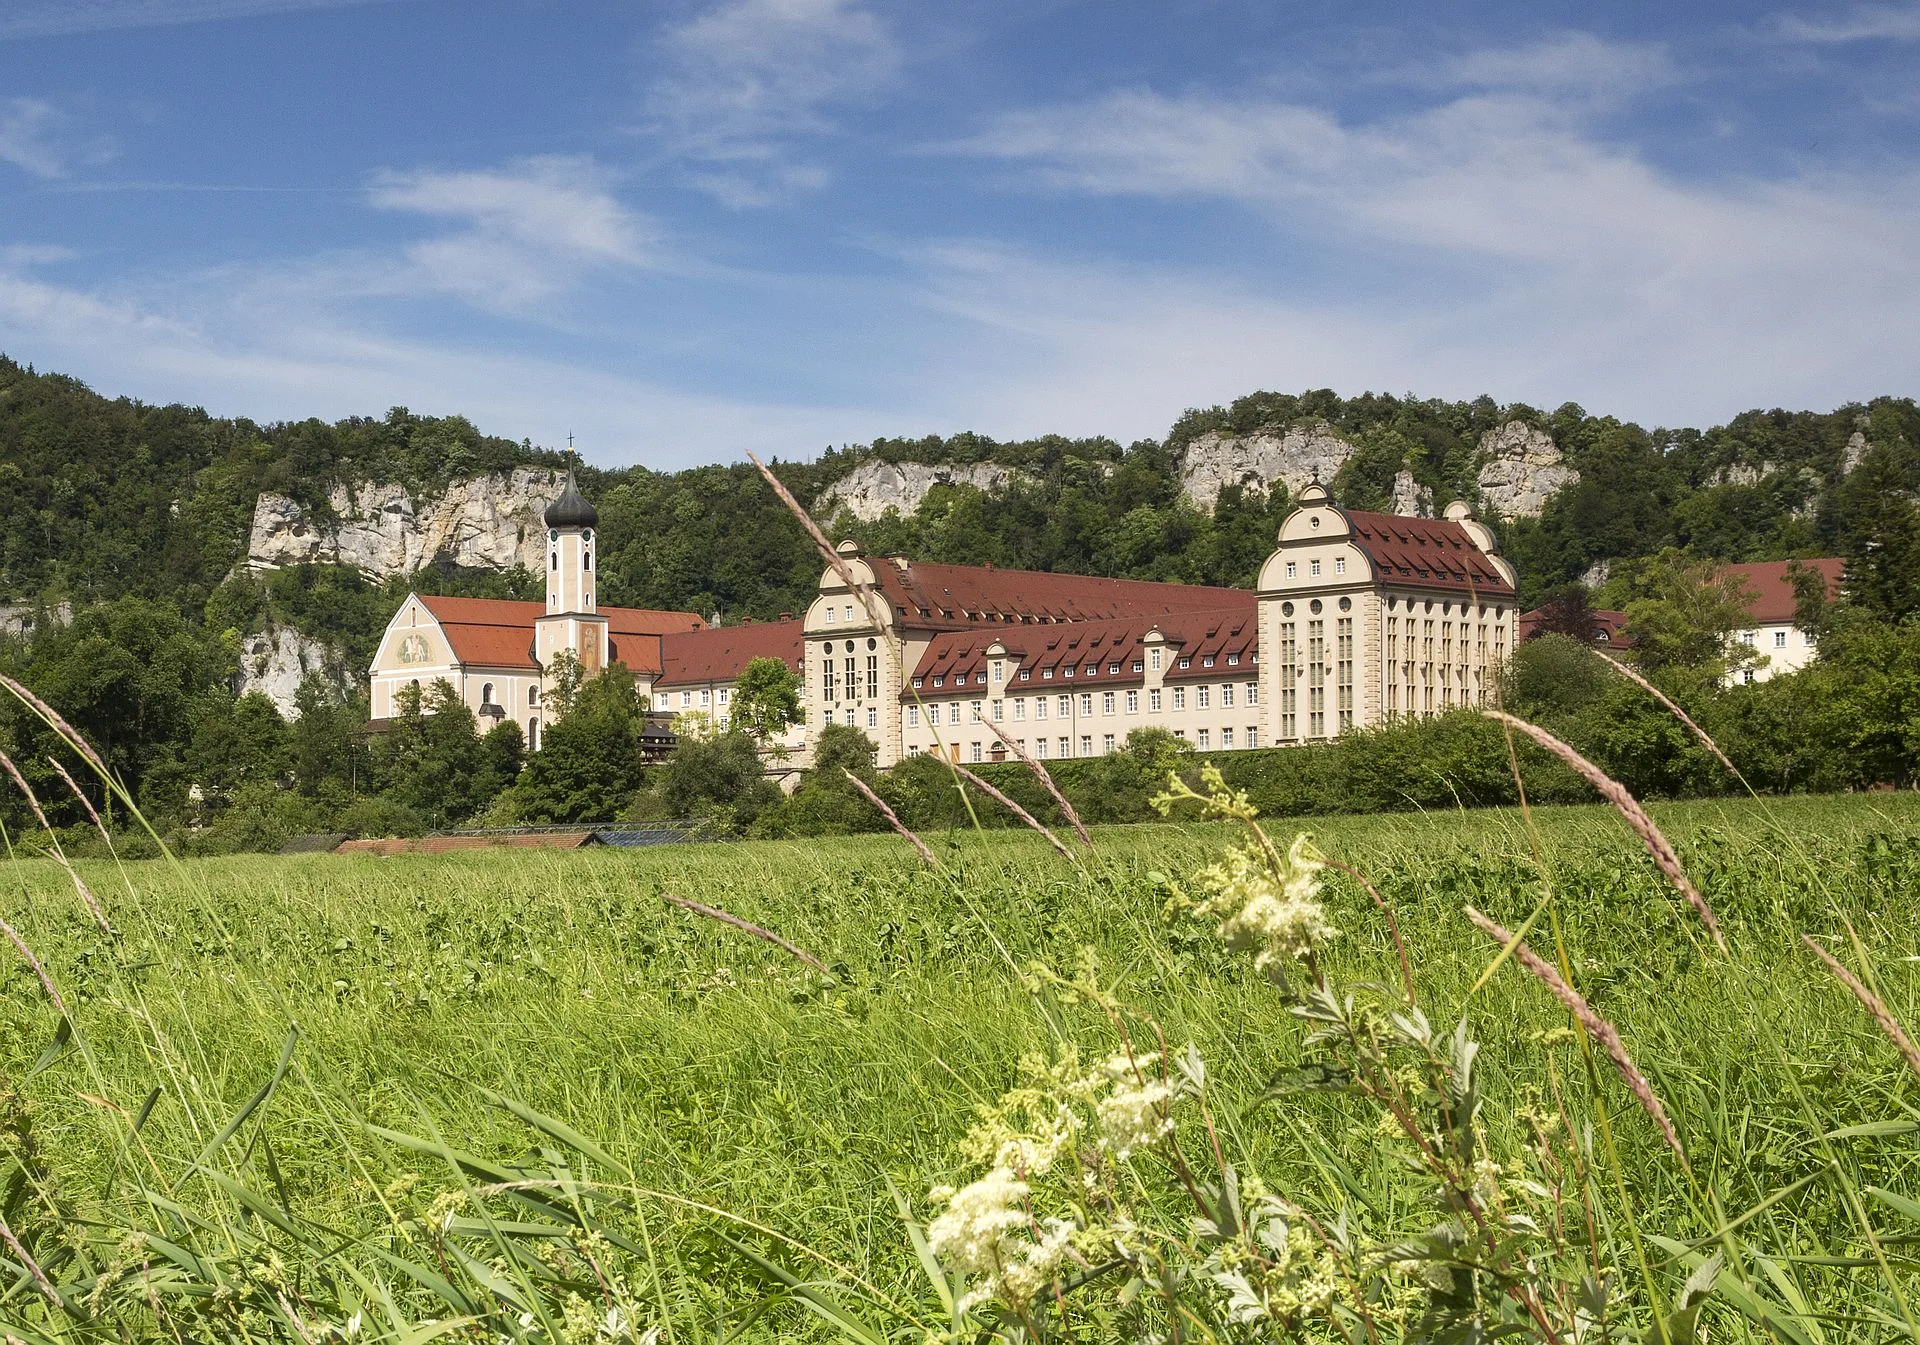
{"points": [[1136, 665], [1233, 660], [1207, 662], [939, 681], [1026, 674], [1153, 657], [1046, 674], [1186, 663]]}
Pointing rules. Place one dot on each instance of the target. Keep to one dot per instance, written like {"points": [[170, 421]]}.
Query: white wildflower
{"points": [[1135, 1116], [1278, 915], [975, 1234]]}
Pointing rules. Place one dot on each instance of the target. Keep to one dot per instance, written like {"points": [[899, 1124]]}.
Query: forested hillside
{"points": [[125, 528]]}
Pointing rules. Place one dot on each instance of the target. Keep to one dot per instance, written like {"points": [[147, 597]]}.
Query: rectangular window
{"points": [[1339, 564], [1253, 693], [953, 713], [1040, 748], [1046, 674], [1293, 571], [1203, 698], [723, 694], [913, 716], [1106, 702], [1253, 736], [975, 719], [1313, 568], [1226, 696], [1203, 740], [1343, 671], [873, 677], [975, 750], [849, 716], [1179, 698], [1779, 639], [1039, 707], [1153, 700], [1066, 706], [686, 699], [1289, 683], [998, 707], [999, 671], [1153, 659], [1181, 734], [1086, 704], [1226, 740], [853, 682], [1106, 743], [1316, 679], [1133, 702], [1019, 707], [830, 616], [706, 697], [1066, 749], [1086, 744], [873, 716], [849, 611]]}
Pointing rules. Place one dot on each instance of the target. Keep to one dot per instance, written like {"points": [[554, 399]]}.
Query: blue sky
{"points": [[681, 230]]}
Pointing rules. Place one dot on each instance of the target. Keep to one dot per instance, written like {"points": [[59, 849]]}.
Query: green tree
{"points": [[432, 760], [588, 765], [1688, 612], [717, 778], [766, 699]]}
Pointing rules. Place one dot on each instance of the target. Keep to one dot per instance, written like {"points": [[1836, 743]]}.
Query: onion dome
{"points": [[571, 510]]}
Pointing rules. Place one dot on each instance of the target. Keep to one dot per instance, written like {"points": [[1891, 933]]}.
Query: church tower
{"points": [[572, 622]]}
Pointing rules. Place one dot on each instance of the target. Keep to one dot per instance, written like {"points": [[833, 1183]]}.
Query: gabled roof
{"points": [[1773, 589], [498, 632], [1096, 653], [722, 654], [931, 596], [1428, 553], [1606, 627]]}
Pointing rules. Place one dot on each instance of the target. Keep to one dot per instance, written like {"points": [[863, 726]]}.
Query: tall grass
{"points": [[608, 1062]]}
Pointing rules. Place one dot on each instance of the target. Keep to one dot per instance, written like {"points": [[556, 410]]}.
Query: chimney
{"points": [[786, 616]]}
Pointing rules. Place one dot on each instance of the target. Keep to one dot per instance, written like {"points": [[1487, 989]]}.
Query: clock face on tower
{"points": [[587, 536]]}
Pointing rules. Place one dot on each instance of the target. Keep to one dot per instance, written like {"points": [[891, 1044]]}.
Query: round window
{"points": [[1286, 609], [872, 643], [1314, 522], [587, 536], [1346, 604], [553, 534], [849, 646], [1314, 607]]}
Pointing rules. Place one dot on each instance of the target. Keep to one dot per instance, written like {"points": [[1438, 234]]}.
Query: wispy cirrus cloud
{"points": [[1537, 254], [28, 129], [532, 229], [746, 80], [53, 18], [1862, 23]]}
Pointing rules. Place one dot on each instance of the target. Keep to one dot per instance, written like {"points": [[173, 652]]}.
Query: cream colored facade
{"points": [[1353, 640]]}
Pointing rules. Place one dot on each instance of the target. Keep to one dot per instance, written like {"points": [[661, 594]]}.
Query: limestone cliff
{"points": [[275, 662], [874, 487], [488, 522], [1521, 469], [1294, 456]]}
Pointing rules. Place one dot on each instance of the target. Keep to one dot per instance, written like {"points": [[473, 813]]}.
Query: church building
{"points": [[498, 655]]}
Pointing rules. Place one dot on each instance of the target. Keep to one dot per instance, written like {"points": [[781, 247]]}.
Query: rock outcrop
{"points": [[1294, 457], [488, 522], [1410, 498], [1521, 469], [1854, 454], [874, 487], [275, 662]]}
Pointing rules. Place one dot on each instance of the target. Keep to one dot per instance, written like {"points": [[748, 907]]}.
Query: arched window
{"points": [[533, 695], [586, 560], [533, 735], [486, 694]]}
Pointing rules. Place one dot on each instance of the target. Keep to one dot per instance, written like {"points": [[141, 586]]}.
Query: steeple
{"points": [[570, 523], [571, 510]]}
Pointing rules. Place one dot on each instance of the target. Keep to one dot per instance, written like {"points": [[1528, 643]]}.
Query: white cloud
{"points": [[1863, 23], [534, 228], [1539, 260], [746, 78], [49, 18], [1563, 65], [27, 127]]}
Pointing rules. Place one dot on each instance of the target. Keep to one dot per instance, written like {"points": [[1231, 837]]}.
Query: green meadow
{"points": [[743, 1093]]}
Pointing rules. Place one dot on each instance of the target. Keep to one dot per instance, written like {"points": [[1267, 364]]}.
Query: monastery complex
{"points": [[1358, 618]]}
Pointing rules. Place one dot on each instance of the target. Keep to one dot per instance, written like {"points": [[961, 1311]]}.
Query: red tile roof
{"points": [[1608, 627], [498, 633], [951, 597], [1773, 590], [1103, 653], [721, 655], [1431, 553]]}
